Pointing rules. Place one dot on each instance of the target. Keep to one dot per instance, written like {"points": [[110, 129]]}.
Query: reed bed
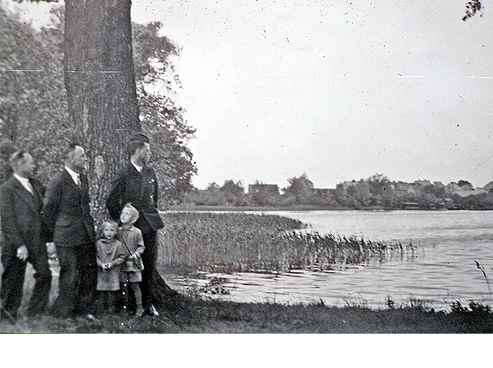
{"points": [[239, 242]]}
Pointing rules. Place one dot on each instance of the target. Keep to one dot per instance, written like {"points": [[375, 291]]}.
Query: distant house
{"points": [[265, 189], [466, 186], [488, 187], [401, 188], [464, 190], [453, 188]]}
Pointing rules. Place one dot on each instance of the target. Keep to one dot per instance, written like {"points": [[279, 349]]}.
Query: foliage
{"points": [[161, 117], [300, 188], [231, 193], [153, 56], [482, 201], [463, 183], [375, 192], [33, 105], [264, 195], [472, 7], [34, 100], [234, 193], [477, 318], [474, 307], [171, 157]]}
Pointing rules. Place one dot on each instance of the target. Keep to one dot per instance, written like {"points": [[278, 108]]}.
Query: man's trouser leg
{"points": [[64, 304], [11, 290], [88, 279], [42, 276], [149, 258]]}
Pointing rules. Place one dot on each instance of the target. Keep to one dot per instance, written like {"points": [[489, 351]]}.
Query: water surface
{"points": [[442, 270]]}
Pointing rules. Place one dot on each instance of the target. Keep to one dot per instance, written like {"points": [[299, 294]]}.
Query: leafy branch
{"points": [[472, 7]]}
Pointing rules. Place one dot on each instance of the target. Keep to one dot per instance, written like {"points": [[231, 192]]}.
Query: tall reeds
{"points": [[239, 242]]}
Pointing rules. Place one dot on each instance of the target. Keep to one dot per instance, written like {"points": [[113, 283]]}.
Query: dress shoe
{"points": [[90, 317], [152, 311]]}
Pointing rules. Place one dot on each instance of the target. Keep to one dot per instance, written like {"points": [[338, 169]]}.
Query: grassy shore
{"points": [[201, 241], [186, 315]]}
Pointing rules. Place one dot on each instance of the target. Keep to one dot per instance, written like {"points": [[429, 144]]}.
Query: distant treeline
{"points": [[376, 192]]}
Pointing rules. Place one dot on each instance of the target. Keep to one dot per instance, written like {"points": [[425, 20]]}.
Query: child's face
{"points": [[127, 216], [109, 231]]}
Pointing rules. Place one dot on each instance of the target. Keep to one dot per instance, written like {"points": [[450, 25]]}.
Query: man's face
{"points": [[145, 153], [26, 166], [79, 158]]}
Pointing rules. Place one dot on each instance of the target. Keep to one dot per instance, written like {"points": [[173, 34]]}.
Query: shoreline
{"points": [[193, 208], [264, 208], [199, 316]]}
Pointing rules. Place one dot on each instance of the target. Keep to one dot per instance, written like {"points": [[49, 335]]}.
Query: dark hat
{"points": [[139, 137]]}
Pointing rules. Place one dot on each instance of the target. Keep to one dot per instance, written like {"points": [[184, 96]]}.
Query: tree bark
{"points": [[102, 98], [100, 83]]}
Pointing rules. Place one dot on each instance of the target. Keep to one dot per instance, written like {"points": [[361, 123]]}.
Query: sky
{"points": [[339, 90]]}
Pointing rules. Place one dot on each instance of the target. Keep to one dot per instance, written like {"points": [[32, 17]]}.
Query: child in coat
{"points": [[133, 243], [111, 255]]}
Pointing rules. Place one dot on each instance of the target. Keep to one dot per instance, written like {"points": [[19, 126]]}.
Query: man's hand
{"points": [[22, 253]]}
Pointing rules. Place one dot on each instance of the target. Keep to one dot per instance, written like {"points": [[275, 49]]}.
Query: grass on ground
{"points": [[187, 315]]}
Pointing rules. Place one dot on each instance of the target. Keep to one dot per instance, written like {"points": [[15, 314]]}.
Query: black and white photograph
{"points": [[244, 167]]}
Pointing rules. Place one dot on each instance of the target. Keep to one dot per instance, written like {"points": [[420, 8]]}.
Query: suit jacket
{"points": [[67, 212], [140, 189], [21, 215]]}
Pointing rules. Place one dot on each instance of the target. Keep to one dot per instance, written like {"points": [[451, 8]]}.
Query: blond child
{"points": [[111, 255], [133, 244]]}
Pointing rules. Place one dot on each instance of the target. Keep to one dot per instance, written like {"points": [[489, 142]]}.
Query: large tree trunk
{"points": [[101, 91], [100, 82]]}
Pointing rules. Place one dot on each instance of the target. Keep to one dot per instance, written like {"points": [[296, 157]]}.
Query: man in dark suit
{"points": [[137, 184], [24, 238], [67, 215]]}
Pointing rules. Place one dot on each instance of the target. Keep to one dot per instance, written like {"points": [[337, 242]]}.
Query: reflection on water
{"points": [[440, 271]]}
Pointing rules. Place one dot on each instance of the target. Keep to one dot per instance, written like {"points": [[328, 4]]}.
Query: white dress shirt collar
{"points": [[137, 167], [25, 182], [75, 176]]}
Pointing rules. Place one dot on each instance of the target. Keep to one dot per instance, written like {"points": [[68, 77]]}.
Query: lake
{"points": [[441, 270]]}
